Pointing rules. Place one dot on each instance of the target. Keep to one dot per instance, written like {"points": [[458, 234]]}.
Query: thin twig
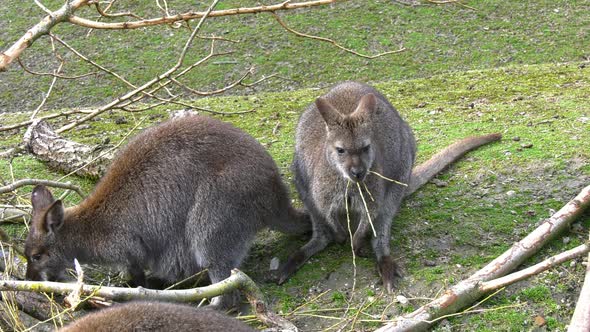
{"points": [[36, 73], [29, 182], [388, 179], [286, 5], [351, 240], [328, 40], [366, 209]]}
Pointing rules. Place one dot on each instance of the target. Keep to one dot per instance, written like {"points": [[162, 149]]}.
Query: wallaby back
{"points": [[186, 195], [156, 316]]}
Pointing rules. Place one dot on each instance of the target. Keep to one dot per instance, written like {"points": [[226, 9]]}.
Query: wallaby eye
{"points": [[366, 148], [35, 257], [340, 150]]}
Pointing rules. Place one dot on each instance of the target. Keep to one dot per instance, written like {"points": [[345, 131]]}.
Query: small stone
{"points": [[429, 263], [527, 146], [531, 213], [121, 120], [440, 183], [540, 321], [510, 193], [566, 240], [402, 299], [274, 263], [516, 138], [572, 263]]}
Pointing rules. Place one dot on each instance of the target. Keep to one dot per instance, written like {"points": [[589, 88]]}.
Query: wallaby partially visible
{"points": [[186, 195], [156, 316], [353, 137]]}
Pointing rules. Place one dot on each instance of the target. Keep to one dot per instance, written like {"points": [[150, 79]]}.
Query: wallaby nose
{"points": [[358, 173]]}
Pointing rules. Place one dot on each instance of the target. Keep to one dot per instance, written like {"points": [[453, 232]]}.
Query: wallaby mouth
{"points": [[357, 174]]}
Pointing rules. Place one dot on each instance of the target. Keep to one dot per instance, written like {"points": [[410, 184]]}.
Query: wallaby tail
{"points": [[426, 171], [295, 222]]}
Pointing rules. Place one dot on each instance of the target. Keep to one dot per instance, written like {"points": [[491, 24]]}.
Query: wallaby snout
{"points": [[358, 173]]}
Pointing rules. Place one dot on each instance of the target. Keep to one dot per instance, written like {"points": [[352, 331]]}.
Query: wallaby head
{"points": [[349, 143], [45, 259]]}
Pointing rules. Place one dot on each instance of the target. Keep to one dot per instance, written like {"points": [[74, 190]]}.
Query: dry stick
{"points": [[57, 71], [222, 90], [535, 269], [388, 179], [106, 9], [237, 281], [366, 209], [328, 40], [157, 79], [38, 30], [46, 117], [351, 241], [65, 13], [581, 317], [105, 14], [102, 68], [30, 182], [36, 73], [467, 291], [287, 5]]}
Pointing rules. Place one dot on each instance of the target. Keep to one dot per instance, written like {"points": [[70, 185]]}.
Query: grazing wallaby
{"points": [[186, 195], [156, 316], [344, 139]]}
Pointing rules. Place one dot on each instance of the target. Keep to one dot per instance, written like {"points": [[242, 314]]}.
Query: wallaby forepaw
{"points": [[291, 266], [390, 273]]}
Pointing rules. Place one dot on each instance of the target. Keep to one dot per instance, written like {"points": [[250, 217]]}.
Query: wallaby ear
{"points": [[366, 106], [329, 113], [54, 217], [41, 198]]}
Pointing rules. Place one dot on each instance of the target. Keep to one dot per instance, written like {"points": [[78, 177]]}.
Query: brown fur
{"points": [[156, 316]]}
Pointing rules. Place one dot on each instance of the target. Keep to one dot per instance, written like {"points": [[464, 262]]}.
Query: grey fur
{"points": [[183, 196], [344, 135], [156, 316]]}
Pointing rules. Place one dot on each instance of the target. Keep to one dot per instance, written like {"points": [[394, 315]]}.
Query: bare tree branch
{"points": [[66, 13], [469, 290], [40, 29], [328, 40], [31, 182], [237, 281], [581, 317], [194, 15], [535, 269]]}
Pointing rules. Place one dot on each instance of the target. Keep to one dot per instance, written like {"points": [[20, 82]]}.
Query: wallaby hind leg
{"points": [[320, 239], [388, 269]]}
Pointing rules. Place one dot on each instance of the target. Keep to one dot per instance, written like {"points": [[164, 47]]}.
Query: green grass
{"points": [[457, 228], [438, 39], [514, 67]]}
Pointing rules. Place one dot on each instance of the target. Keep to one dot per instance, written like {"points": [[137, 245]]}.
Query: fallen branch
{"points": [[469, 290], [65, 155], [237, 281], [48, 183], [581, 317]]}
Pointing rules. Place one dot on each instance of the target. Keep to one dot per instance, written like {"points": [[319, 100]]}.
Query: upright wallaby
{"points": [[186, 195], [156, 316], [343, 140]]}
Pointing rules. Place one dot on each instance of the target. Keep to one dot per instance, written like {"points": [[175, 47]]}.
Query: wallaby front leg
{"points": [[386, 266], [320, 239]]}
